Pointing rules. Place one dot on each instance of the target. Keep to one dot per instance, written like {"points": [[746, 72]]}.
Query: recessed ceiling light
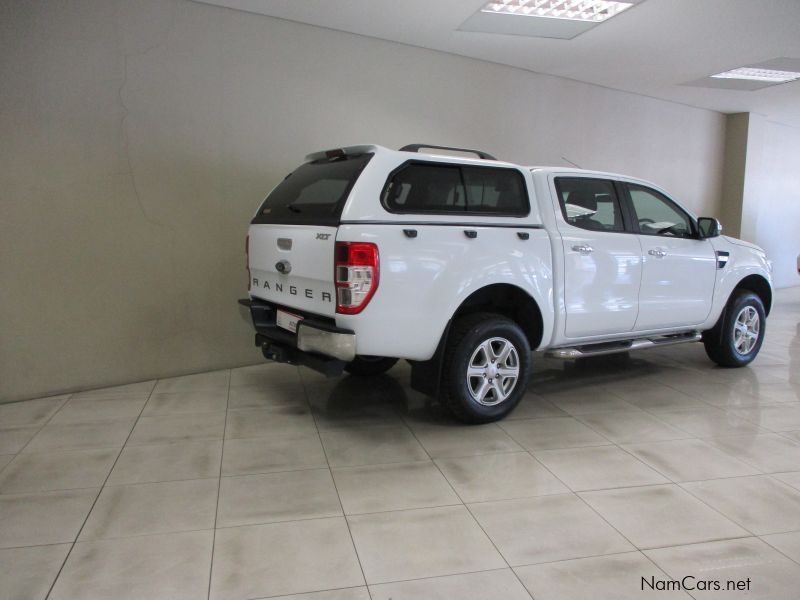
{"points": [[754, 74], [593, 11]]}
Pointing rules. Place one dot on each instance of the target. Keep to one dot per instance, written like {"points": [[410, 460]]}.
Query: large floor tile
{"points": [[598, 468], [151, 508], [140, 388], [791, 478], [5, 459], [182, 403], [772, 576], [28, 573], [486, 585], [82, 436], [760, 504], [44, 517], [427, 542], [179, 428], [99, 408], [266, 375], [656, 396], [557, 432], [281, 420], [584, 401], [174, 566], [463, 440], [30, 412], [710, 422], [275, 453], [787, 543], [770, 453], [661, 515], [259, 561], [374, 488], [199, 382], [13, 439], [43, 471], [266, 396], [499, 477], [534, 406], [358, 446], [782, 417], [271, 497], [690, 460], [632, 426], [167, 462], [546, 529], [614, 577], [354, 593]]}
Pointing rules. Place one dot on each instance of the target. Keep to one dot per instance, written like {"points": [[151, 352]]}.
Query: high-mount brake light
{"points": [[356, 272], [337, 153]]}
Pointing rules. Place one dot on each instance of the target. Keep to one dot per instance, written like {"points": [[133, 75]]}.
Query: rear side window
{"points": [[313, 194], [589, 203], [455, 189]]}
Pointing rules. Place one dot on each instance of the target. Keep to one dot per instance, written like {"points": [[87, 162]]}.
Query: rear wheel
{"points": [[487, 365], [737, 337], [364, 365]]}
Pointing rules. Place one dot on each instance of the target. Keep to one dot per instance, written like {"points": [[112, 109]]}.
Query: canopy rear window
{"points": [[314, 194]]}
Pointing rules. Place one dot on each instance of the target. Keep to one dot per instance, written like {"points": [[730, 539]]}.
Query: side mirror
{"points": [[709, 227]]}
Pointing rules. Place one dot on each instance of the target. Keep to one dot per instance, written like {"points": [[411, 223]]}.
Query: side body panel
{"points": [[424, 279]]}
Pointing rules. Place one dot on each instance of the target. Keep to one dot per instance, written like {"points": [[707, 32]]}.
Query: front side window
{"points": [[457, 189], [657, 214], [589, 203]]}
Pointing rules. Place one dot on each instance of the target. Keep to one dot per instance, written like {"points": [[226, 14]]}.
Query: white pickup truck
{"points": [[465, 266]]}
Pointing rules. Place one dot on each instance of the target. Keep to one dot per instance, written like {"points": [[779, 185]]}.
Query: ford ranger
{"points": [[466, 266]]}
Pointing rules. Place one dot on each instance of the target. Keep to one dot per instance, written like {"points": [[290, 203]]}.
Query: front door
{"points": [[678, 268]]}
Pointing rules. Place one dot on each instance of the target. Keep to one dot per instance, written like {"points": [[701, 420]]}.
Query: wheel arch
{"points": [[759, 286], [510, 301]]}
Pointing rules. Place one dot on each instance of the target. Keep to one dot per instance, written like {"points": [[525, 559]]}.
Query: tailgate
{"points": [[292, 265]]}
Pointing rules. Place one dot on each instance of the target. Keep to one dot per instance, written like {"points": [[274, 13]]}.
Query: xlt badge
{"points": [[323, 236]]}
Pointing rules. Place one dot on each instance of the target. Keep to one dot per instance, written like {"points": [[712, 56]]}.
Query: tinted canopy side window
{"points": [[589, 203], [658, 215], [445, 189]]}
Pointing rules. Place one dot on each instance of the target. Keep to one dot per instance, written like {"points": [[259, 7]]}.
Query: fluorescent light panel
{"points": [[593, 11], [755, 74]]}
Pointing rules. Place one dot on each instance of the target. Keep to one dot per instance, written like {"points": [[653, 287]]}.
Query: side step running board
{"points": [[623, 345]]}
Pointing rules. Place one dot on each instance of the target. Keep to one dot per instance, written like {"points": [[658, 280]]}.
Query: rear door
{"points": [[292, 237], [602, 262]]}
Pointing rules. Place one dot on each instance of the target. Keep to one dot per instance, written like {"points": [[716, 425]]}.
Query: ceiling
{"points": [[658, 48]]}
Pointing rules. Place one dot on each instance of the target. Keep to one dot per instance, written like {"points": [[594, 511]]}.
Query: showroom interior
{"points": [[147, 448]]}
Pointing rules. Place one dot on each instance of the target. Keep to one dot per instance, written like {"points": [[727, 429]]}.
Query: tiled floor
{"points": [[270, 481]]}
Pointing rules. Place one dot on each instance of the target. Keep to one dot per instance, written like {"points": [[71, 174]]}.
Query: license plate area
{"points": [[286, 320]]}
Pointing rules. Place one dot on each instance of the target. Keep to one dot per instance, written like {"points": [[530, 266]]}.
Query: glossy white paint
{"points": [[617, 290], [309, 284], [677, 281]]}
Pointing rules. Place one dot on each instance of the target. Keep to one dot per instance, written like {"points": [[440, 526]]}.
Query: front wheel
{"points": [[487, 365], [737, 337], [364, 365]]}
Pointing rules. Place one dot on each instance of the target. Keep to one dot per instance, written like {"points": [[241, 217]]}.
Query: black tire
{"points": [[724, 344], [364, 366], [459, 392]]}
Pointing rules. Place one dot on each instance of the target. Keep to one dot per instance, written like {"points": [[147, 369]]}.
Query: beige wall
{"points": [[771, 200], [136, 139]]}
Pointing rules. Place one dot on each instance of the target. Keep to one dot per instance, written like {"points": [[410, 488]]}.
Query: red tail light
{"points": [[356, 272], [247, 255]]}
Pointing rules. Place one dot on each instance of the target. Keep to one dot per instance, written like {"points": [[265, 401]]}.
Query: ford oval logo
{"points": [[283, 266]]}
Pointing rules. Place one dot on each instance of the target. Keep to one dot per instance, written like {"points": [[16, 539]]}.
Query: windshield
{"points": [[313, 194]]}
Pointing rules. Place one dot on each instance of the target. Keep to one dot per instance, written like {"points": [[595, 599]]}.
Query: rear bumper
{"points": [[317, 344]]}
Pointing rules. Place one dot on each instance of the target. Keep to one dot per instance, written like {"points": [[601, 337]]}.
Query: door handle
{"points": [[657, 252], [583, 248]]}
